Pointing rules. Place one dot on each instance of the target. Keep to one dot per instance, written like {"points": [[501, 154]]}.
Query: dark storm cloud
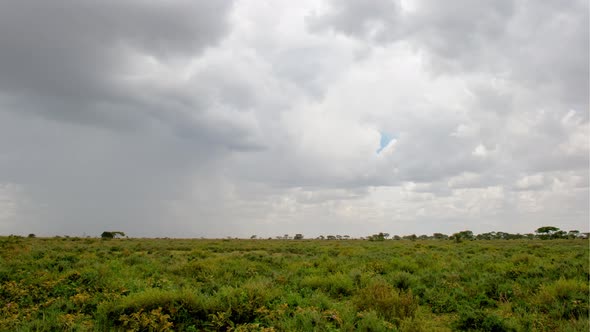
{"points": [[91, 138], [83, 179], [66, 58]]}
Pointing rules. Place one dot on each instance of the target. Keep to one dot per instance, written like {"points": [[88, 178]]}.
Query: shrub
{"points": [[182, 309], [478, 320], [310, 319], [242, 303], [377, 267], [155, 320], [564, 299], [391, 304], [335, 285], [369, 321], [356, 276], [402, 280]]}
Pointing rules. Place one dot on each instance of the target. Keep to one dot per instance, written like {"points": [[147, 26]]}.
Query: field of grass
{"points": [[83, 284]]}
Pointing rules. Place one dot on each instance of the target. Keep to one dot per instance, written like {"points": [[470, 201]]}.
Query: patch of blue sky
{"points": [[385, 139]]}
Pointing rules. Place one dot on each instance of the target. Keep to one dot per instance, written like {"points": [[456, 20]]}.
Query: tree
{"points": [[546, 232], [468, 235], [502, 235], [31, 235], [464, 235], [573, 234], [377, 237], [412, 237], [111, 234], [253, 237], [298, 237], [439, 236], [547, 229]]}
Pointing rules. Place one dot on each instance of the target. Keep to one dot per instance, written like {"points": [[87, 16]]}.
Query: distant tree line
{"points": [[543, 233]]}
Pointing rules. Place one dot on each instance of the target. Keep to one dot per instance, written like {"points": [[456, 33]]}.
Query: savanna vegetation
{"points": [[440, 284]]}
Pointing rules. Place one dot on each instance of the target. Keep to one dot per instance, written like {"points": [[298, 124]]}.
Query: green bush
{"points": [[183, 309], [391, 304], [478, 320], [564, 299], [369, 321], [336, 285], [402, 280]]}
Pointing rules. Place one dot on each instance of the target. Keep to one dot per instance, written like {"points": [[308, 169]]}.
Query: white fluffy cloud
{"points": [[173, 118]]}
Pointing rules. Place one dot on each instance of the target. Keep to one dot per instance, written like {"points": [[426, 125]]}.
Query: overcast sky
{"points": [[212, 118]]}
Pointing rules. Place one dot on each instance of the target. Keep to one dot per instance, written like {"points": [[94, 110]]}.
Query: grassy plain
{"points": [[82, 284]]}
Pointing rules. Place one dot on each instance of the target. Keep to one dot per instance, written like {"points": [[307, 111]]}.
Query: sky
{"points": [[211, 118]]}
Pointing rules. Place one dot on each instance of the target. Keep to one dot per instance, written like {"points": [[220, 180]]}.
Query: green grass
{"points": [[74, 284]]}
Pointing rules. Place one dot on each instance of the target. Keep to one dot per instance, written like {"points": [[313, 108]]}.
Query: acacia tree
{"points": [[378, 237], [107, 235], [464, 235], [573, 234], [111, 234], [439, 236], [412, 237], [546, 232]]}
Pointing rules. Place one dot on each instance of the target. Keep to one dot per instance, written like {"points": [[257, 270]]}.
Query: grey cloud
{"points": [[82, 178], [542, 45], [175, 118], [76, 61], [358, 18], [82, 136], [67, 56], [427, 158], [463, 32]]}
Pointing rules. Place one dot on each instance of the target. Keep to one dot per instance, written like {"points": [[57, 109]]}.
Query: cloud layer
{"points": [[209, 118]]}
